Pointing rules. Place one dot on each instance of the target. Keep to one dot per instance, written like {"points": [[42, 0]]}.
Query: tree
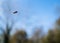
{"points": [[37, 33], [57, 24], [30, 41], [50, 36], [57, 31], [7, 33], [7, 10], [53, 35], [44, 39], [19, 37]]}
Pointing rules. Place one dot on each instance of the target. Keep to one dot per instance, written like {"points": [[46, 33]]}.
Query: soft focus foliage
{"points": [[21, 36], [53, 36]]}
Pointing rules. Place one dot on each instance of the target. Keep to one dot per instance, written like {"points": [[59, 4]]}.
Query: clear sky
{"points": [[31, 13]]}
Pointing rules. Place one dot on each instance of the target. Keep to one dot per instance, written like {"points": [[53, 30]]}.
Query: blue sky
{"points": [[31, 13]]}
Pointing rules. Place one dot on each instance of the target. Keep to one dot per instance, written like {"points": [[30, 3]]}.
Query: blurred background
{"points": [[29, 21]]}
